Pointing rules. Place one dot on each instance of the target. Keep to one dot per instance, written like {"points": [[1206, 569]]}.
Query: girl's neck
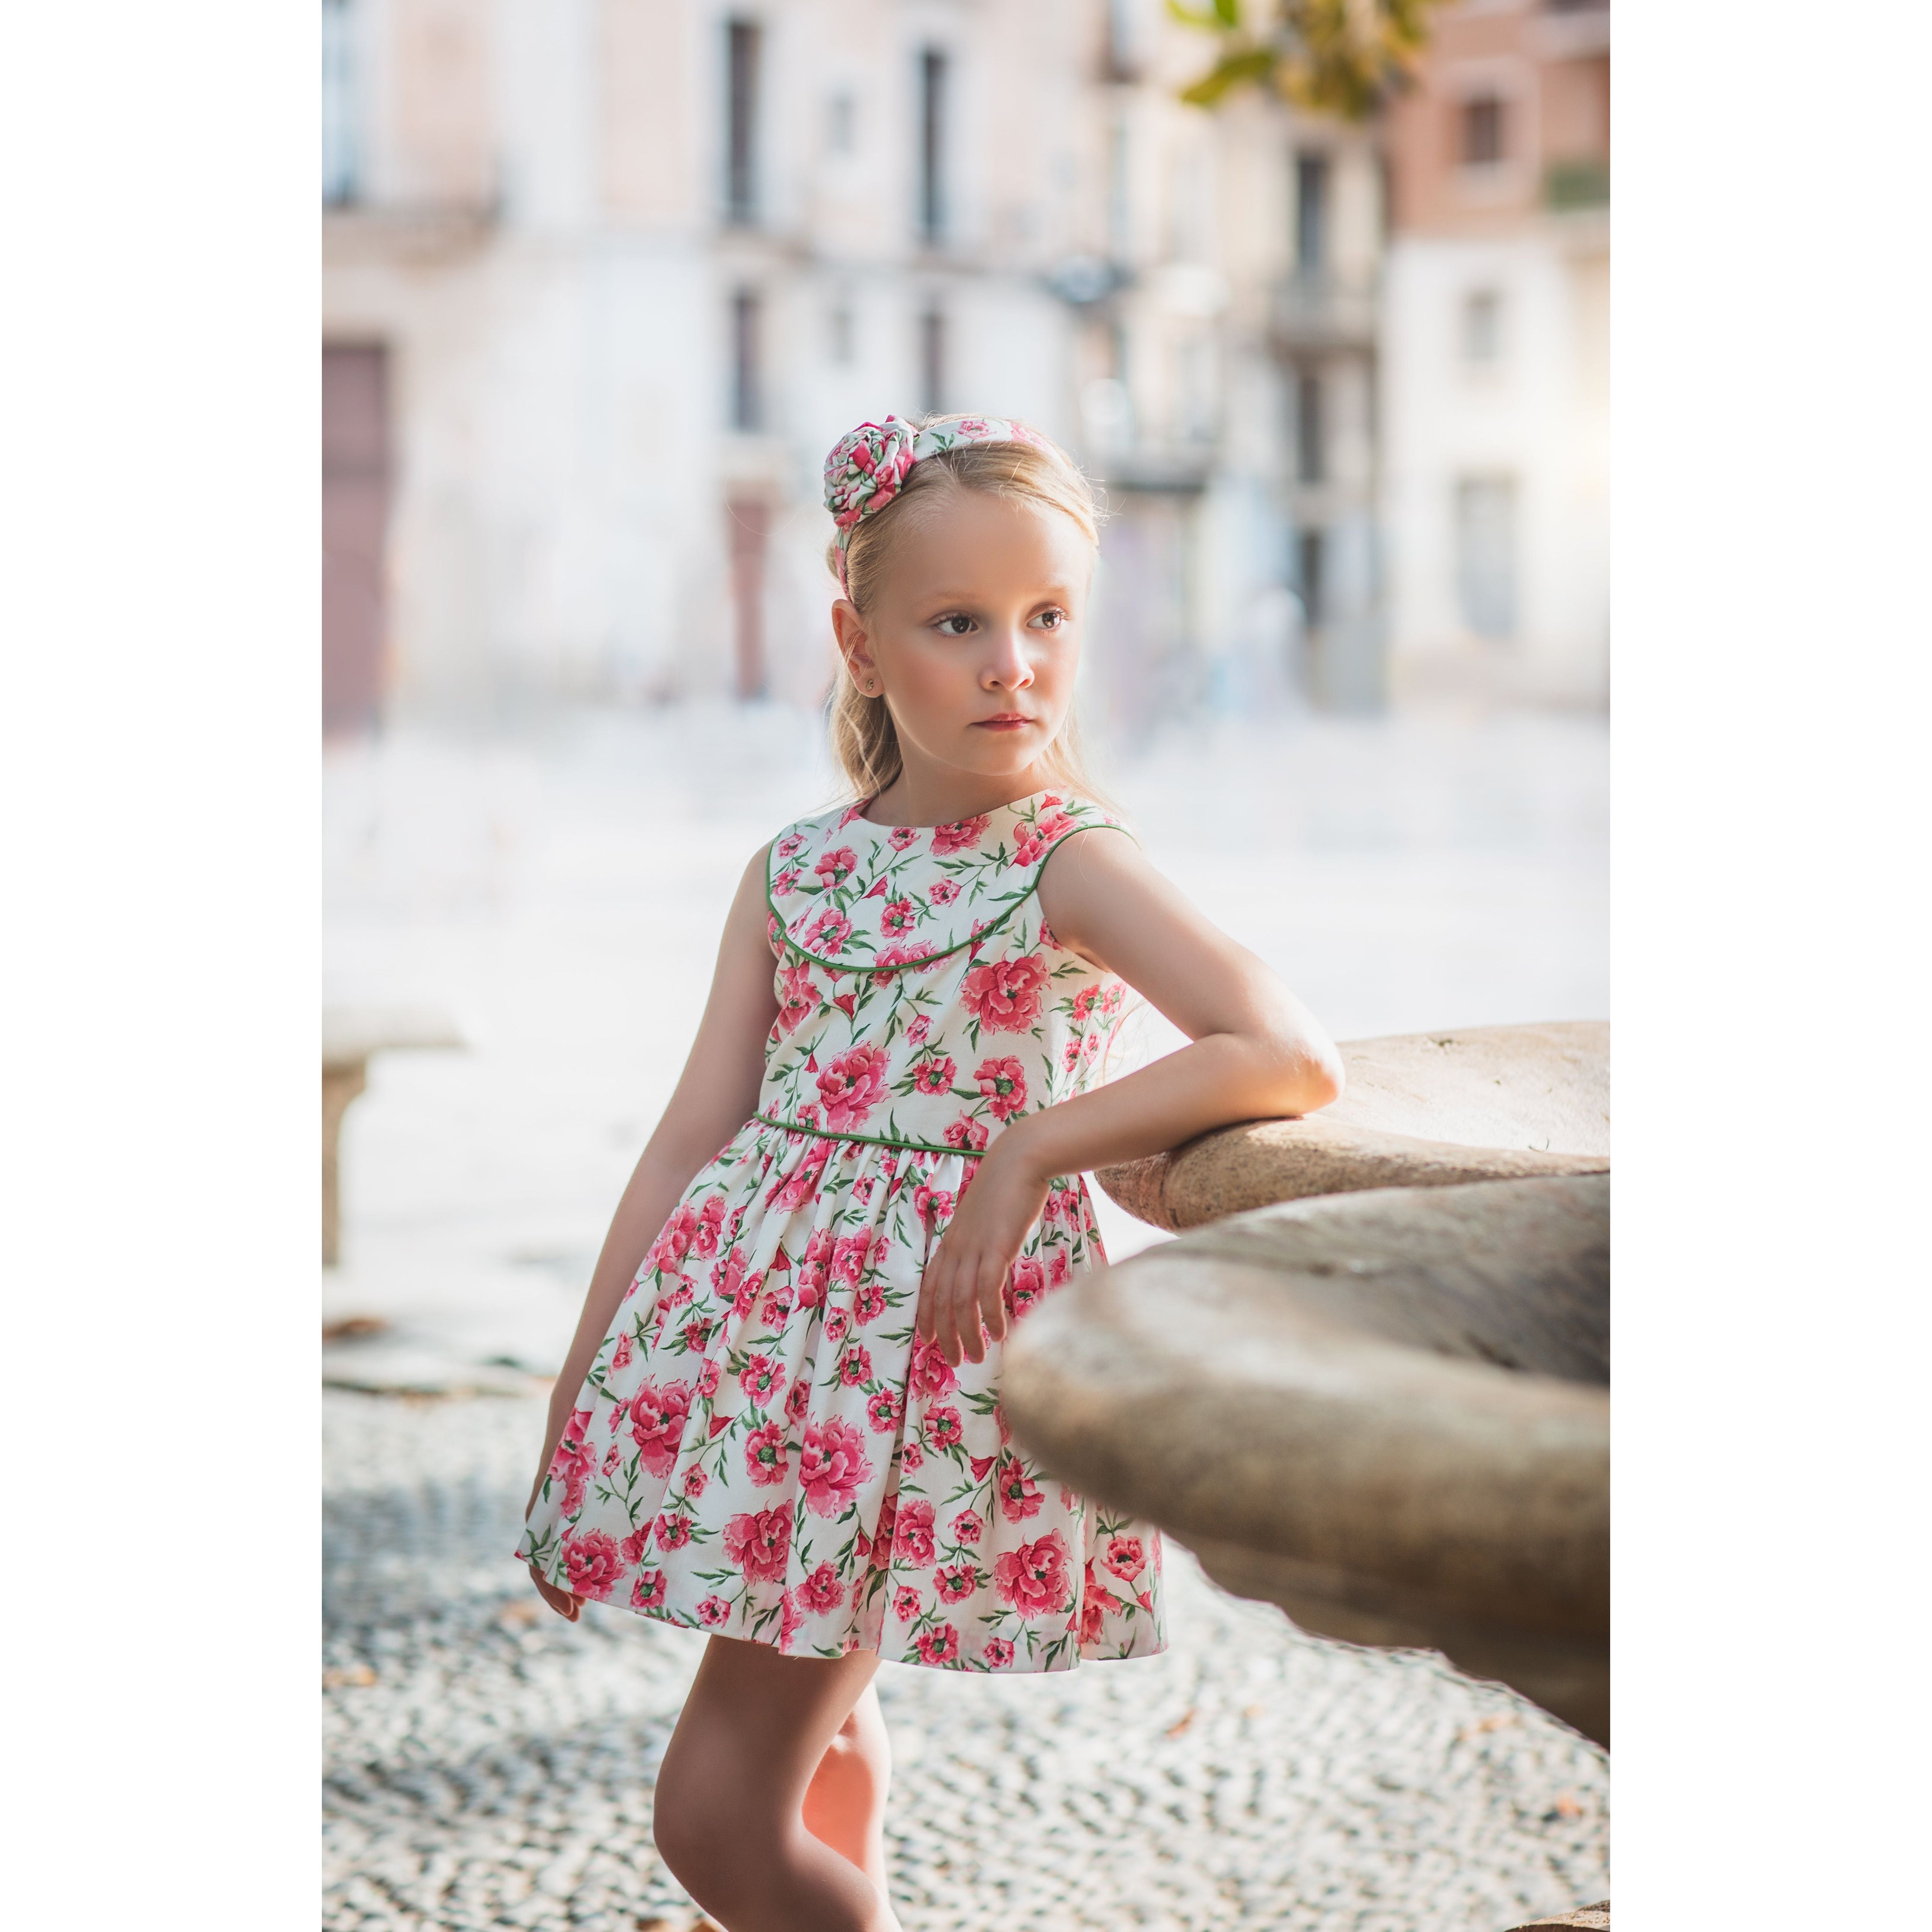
{"points": [[940, 795]]}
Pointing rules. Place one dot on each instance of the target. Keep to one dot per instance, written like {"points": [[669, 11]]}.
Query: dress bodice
{"points": [[923, 1000]]}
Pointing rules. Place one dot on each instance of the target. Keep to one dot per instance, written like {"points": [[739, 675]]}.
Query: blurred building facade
{"points": [[605, 278], [1496, 340]]}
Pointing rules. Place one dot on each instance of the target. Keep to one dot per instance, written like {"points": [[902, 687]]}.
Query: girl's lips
{"points": [[1010, 720]]}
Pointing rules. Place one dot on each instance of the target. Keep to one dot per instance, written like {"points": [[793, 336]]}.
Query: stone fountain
{"points": [[1372, 1384]]}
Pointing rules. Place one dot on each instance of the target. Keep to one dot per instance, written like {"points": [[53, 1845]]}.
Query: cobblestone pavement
{"points": [[489, 1765]]}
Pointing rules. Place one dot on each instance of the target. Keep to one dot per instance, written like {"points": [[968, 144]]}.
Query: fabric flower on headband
{"points": [[869, 466]]}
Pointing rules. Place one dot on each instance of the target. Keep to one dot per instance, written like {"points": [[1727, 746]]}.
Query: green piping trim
{"points": [[870, 1140], [928, 958]]}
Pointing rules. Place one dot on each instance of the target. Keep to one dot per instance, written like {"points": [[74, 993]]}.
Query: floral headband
{"points": [[869, 466]]}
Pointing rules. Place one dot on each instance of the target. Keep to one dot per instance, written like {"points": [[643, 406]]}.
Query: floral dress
{"points": [[763, 1447]]}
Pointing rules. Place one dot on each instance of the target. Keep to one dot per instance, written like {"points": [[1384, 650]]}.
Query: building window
{"points": [[341, 161], [1311, 572], [1483, 144], [1482, 326], [932, 362], [840, 333], [747, 399], [1486, 555], [1310, 442], [932, 82], [841, 124], [741, 120], [1311, 213]]}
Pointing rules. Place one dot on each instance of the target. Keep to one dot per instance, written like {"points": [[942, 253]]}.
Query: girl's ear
{"points": [[854, 646]]}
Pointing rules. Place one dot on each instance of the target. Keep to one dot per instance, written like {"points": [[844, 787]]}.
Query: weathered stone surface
{"points": [[1585, 1918], [1387, 1412], [1420, 1110]]}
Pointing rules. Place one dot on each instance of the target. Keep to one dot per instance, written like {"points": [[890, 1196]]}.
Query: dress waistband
{"points": [[871, 1140]]}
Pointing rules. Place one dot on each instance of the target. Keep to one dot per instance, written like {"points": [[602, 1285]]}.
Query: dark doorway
{"points": [[356, 479]]}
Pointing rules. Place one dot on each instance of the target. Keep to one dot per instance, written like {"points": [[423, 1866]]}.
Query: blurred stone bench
{"points": [[350, 1035], [1372, 1385]]}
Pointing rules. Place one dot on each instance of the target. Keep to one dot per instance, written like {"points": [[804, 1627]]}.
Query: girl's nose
{"points": [[1008, 668]]}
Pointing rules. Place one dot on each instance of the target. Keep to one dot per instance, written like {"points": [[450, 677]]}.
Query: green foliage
{"points": [[1340, 57]]}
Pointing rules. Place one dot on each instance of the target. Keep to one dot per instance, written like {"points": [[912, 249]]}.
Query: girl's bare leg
{"points": [[755, 1730], [845, 1803]]}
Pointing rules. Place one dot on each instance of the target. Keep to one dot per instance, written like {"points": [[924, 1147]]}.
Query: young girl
{"points": [[779, 1421]]}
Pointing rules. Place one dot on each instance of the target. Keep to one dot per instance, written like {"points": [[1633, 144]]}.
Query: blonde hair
{"points": [[864, 738]]}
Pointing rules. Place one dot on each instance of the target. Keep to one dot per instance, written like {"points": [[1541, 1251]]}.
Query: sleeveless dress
{"points": [[763, 1447]]}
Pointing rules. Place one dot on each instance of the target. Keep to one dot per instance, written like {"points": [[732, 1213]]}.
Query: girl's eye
{"points": [[1051, 620], [956, 624]]}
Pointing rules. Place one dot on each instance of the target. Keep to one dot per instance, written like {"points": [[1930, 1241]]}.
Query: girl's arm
{"points": [[715, 1095], [1257, 1053]]}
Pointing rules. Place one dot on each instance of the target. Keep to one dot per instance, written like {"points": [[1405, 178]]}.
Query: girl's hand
{"points": [[562, 1601], [965, 1278]]}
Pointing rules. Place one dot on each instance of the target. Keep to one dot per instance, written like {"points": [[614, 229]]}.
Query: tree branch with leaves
{"points": [[1342, 57]]}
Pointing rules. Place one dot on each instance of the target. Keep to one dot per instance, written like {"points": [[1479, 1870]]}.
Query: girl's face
{"points": [[974, 631]]}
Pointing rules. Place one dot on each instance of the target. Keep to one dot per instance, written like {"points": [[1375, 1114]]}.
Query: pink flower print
{"points": [[855, 1365], [968, 1527], [912, 1459], [943, 892], [836, 1323], [832, 1465], [956, 1582], [905, 1603], [759, 1542], [943, 1427], [1019, 1494], [1093, 1614], [1006, 994], [934, 1076], [882, 1532], [648, 1592], [997, 1651], [632, 1546], [931, 1204], [827, 932], [1034, 1579], [1060, 1271], [919, 1031], [593, 1562], [705, 1240], [778, 1305], [671, 1531], [967, 1134], [790, 1617], [620, 1356], [785, 882], [1126, 1557], [574, 1459], [799, 1400], [713, 1612], [800, 1188], [1085, 1000], [798, 997], [767, 1460], [902, 837], [698, 1332], [1025, 1283], [960, 836], [939, 1646], [707, 1380], [693, 1482], [868, 1303], [762, 1379], [999, 1417], [929, 1373], [836, 867], [610, 1455], [852, 1086], [792, 843], [1003, 1085], [674, 1241], [899, 917], [658, 1417], [896, 955], [822, 1590], [848, 1257], [884, 1410], [912, 1534]]}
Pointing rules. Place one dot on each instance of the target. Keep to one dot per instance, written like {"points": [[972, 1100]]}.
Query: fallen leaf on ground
{"points": [[358, 1674], [353, 1327], [1180, 1724]]}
